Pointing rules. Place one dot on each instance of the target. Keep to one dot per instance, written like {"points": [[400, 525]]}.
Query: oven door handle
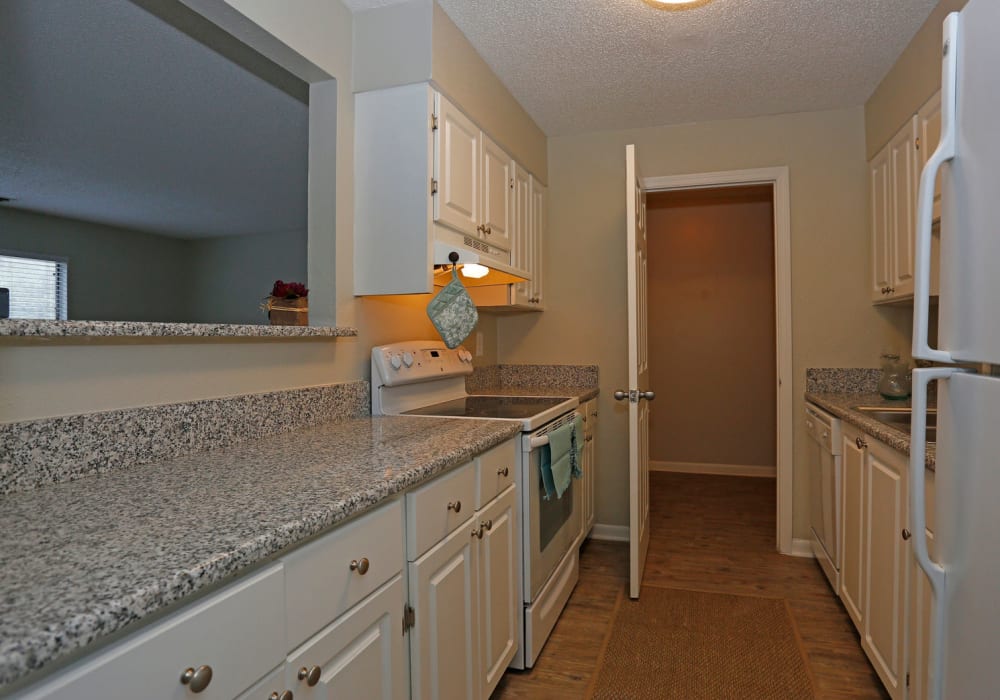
{"points": [[539, 441]]}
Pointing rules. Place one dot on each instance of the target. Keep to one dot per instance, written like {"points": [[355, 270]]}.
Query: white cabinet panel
{"points": [[852, 572], [903, 179], [499, 599], [456, 169], [497, 194], [319, 581], [444, 642], [522, 245], [238, 633], [495, 471], [434, 510], [887, 566], [881, 228], [361, 655]]}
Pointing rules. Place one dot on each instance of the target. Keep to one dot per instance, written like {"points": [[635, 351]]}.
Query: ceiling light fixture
{"points": [[474, 270], [676, 4]]}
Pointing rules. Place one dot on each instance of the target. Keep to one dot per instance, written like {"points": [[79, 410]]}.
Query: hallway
{"points": [[709, 533]]}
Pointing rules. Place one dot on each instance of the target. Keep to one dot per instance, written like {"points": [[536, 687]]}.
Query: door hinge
{"points": [[916, 143], [434, 186], [434, 122], [409, 618], [907, 679]]}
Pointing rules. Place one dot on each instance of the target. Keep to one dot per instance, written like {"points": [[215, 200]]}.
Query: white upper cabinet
{"points": [[497, 195], [539, 223], [457, 152], [521, 250], [903, 183], [881, 236]]}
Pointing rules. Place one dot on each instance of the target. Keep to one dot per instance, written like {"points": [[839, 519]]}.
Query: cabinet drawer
{"points": [[434, 510], [495, 471], [319, 581], [271, 683], [238, 632]]}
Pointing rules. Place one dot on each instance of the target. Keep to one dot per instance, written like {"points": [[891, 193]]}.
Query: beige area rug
{"points": [[683, 644]]}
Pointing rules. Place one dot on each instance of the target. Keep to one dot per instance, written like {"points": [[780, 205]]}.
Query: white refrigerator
{"points": [[965, 574]]}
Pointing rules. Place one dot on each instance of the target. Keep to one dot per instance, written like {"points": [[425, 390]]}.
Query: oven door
{"points": [[551, 526]]}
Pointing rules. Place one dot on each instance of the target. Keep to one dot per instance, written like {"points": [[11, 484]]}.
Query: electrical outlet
{"points": [[479, 343]]}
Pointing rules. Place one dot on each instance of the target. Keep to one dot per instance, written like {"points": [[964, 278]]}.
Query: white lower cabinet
{"points": [[589, 465], [883, 590], [270, 687], [360, 655], [465, 599]]}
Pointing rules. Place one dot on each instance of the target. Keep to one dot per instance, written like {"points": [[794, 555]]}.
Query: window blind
{"points": [[37, 286]]}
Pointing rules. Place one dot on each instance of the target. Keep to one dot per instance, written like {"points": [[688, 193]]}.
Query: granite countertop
{"points": [[841, 404], [86, 558]]}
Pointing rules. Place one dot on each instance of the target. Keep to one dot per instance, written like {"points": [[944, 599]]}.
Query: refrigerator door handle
{"points": [[945, 151], [918, 520]]}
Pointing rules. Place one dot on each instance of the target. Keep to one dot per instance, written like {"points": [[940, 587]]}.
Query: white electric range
{"points": [[425, 378]]}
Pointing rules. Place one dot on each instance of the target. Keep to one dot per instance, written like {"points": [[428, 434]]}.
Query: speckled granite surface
{"points": [[51, 450], [535, 380], [841, 404], [83, 559], [104, 329], [840, 379]]}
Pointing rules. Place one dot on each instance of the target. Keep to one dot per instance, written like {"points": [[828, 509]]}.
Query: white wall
{"points": [[834, 323]]}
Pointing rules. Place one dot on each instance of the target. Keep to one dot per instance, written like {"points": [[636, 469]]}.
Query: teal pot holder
{"points": [[453, 313]]}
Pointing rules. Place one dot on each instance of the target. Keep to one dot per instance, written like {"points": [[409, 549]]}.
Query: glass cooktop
{"points": [[518, 407]]}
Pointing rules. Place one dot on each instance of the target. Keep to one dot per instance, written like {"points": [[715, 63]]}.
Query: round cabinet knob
{"points": [[360, 566], [860, 443], [408, 359], [396, 361], [197, 679], [478, 532], [310, 675], [503, 472], [906, 534], [283, 695], [456, 506], [488, 524]]}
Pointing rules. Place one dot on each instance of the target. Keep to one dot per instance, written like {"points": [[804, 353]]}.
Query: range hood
{"points": [[500, 272]]}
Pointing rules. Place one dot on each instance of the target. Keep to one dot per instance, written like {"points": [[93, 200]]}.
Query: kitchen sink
{"points": [[899, 417]]}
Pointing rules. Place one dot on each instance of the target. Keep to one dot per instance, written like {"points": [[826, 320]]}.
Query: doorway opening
{"points": [[720, 328]]}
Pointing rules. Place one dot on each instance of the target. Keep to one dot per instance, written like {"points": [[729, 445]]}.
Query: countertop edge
{"points": [[839, 405]]}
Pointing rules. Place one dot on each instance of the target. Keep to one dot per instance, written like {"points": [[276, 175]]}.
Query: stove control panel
{"points": [[416, 361]]}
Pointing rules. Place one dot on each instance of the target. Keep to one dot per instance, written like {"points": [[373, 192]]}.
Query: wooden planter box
{"points": [[288, 312]]}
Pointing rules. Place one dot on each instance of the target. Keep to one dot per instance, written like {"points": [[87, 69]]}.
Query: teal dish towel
{"points": [[577, 446], [559, 460]]}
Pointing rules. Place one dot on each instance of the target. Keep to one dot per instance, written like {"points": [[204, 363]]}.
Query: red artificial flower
{"points": [[289, 290]]}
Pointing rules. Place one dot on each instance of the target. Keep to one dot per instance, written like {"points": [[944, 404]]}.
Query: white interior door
{"points": [[638, 394]]}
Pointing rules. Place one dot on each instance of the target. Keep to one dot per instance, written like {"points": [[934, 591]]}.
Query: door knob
{"points": [[620, 395], [648, 395]]}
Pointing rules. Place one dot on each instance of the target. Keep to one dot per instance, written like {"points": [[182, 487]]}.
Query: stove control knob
{"points": [[396, 361], [408, 359]]}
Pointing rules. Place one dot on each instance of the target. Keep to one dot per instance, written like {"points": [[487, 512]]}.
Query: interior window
{"points": [[36, 285]]}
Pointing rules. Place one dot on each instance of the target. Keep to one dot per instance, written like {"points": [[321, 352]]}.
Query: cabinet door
{"points": [[456, 169], [903, 178], [522, 250], [588, 481], [887, 566], [539, 219], [497, 194], [499, 598], [879, 205], [852, 567], [359, 655], [444, 641]]}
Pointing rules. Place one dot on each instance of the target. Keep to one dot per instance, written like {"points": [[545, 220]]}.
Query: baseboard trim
{"points": [[802, 548], [714, 469], [609, 533]]}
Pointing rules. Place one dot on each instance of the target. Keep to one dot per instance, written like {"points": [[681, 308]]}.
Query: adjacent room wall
{"points": [[915, 76], [49, 378], [834, 323], [711, 326], [114, 274]]}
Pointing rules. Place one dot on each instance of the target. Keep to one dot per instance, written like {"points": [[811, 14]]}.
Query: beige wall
{"points": [[915, 76], [47, 378], [834, 323], [711, 327]]}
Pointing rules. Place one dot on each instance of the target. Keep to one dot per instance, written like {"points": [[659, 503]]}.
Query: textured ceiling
{"points": [[110, 115], [586, 65]]}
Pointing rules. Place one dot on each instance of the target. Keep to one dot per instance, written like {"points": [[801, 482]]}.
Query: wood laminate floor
{"points": [[709, 533]]}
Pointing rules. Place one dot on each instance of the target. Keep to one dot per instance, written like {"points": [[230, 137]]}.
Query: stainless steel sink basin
{"points": [[899, 417]]}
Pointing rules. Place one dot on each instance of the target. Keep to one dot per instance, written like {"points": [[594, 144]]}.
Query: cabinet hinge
{"points": [[512, 183], [907, 679], [916, 143], [434, 186], [409, 618], [434, 122]]}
